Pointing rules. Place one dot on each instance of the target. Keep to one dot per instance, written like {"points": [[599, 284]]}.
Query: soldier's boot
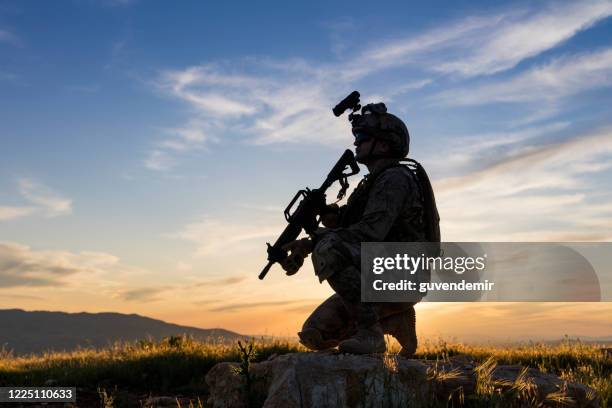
{"points": [[311, 338], [366, 341], [402, 326]]}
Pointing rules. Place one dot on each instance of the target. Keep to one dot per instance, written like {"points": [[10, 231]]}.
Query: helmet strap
{"points": [[371, 156], [372, 147]]}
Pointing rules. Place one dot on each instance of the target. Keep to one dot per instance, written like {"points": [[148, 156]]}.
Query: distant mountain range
{"points": [[26, 332], [38, 331]]}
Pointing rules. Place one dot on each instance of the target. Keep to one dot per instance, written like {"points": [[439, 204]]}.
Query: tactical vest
{"points": [[423, 227]]}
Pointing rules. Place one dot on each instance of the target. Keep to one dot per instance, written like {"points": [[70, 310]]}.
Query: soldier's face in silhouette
{"points": [[365, 147]]}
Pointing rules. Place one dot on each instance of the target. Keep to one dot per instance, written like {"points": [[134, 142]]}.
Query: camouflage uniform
{"points": [[385, 206]]}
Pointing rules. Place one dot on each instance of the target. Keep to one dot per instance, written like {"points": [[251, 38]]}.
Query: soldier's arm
{"points": [[330, 218], [301, 248]]}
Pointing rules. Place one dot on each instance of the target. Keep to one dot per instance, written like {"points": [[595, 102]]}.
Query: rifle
{"points": [[309, 208]]}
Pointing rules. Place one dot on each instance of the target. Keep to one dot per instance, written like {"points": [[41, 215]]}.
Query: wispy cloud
{"points": [[262, 208], [519, 36], [280, 102], [69, 276], [466, 153], [486, 44], [195, 135], [231, 280], [49, 202], [19, 297], [213, 236], [340, 34], [159, 159], [568, 157], [148, 294], [11, 213], [560, 78], [541, 187], [42, 201], [22, 266], [234, 307]]}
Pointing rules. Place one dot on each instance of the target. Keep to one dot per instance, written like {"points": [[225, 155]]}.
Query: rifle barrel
{"points": [[265, 270]]}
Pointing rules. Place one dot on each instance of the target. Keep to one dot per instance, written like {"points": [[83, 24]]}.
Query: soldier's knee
{"points": [[329, 256], [328, 324], [329, 317]]}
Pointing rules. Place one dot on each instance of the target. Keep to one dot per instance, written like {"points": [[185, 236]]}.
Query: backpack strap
{"points": [[431, 215]]}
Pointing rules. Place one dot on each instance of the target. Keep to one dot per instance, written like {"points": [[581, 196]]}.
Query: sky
{"points": [[148, 148]]}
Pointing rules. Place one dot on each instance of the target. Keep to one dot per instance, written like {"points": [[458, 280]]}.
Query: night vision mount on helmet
{"points": [[374, 121]]}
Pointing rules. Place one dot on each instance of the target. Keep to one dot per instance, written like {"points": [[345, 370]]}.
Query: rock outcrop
{"points": [[337, 380]]}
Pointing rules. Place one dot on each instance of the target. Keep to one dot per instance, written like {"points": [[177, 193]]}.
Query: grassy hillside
{"points": [[176, 366]]}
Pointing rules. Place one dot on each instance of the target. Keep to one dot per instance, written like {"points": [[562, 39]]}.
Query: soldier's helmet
{"points": [[374, 121]]}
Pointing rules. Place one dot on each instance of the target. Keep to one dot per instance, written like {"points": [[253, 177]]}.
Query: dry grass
{"points": [[570, 360], [178, 365]]}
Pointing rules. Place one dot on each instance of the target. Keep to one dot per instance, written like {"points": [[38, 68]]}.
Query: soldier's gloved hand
{"points": [[298, 251]]}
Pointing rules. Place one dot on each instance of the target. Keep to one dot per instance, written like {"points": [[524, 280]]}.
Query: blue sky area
{"points": [[147, 147]]}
